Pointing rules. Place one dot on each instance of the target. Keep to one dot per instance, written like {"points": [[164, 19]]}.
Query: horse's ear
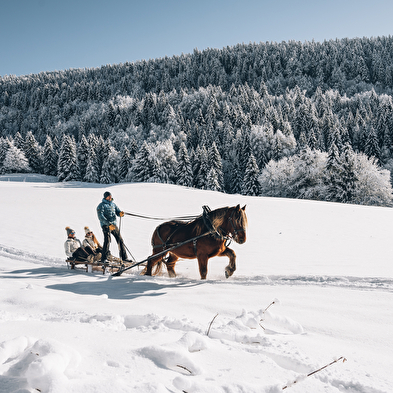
{"points": [[238, 207], [244, 207]]}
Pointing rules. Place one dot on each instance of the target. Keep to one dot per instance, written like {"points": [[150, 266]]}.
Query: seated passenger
{"points": [[73, 247], [91, 241]]}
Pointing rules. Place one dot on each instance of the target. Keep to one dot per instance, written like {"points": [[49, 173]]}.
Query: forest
{"points": [[307, 120]]}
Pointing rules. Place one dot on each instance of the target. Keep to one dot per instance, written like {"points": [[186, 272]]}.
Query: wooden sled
{"points": [[114, 265]]}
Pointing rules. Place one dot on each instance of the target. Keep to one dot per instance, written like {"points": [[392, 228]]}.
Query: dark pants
{"points": [[81, 253], [107, 240]]}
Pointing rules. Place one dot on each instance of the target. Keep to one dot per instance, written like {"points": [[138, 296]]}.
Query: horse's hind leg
{"points": [[229, 270], [170, 264]]}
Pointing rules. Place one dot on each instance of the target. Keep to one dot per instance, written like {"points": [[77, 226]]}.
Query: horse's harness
{"points": [[218, 233]]}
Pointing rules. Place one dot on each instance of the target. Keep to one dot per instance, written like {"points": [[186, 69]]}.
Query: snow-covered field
{"points": [[327, 268]]}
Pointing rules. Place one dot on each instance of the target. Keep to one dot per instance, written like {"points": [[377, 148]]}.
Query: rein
{"points": [[183, 218]]}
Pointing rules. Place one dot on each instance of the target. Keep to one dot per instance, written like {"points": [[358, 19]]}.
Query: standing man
{"points": [[107, 212]]}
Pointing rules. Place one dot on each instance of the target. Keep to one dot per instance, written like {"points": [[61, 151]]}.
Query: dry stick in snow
{"points": [[211, 323], [185, 368], [316, 371], [271, 304]]}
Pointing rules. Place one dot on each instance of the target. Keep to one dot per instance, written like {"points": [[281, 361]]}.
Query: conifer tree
{"points": [[333, 173], [184, 169], [212, 182], [142, 169], [67, 169], [372, 147], [19, 141], [349, 178], [91, 175], [195, 165], [83, 152], [106, 175], [251, 185], [215, 162], [15, 160], [33, 153], [133, 147], [125, 163], [50, 158], [201, 176], [101, 153], [109, 173], [4, 145]]}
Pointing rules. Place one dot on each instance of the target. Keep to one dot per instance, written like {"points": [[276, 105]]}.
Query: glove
{"points": [[121, 214], [112, 227]]}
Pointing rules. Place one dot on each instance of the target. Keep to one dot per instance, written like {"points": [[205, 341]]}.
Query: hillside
{"points": [[212, 119], [326, 266]]}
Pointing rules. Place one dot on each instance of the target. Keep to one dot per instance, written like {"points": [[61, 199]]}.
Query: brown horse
{"points": [[203, 238]]}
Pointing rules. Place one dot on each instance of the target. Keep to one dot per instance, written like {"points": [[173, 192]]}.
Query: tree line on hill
{"points": [[300, 120]]}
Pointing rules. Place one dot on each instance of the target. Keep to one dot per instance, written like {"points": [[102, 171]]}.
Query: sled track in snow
{"points": [[359, 283], [362, 283], [14, 253]]}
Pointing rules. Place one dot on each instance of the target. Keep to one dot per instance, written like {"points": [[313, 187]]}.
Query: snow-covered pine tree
{"points": [[15, 160], [251, 185], [212, 183], [349, 178], [106, 177], [50, 158], [19, 142], [125, 163], [201, 177], [133, 147], [109, 173], [333, 173], [4, 145], [215, 162], [101, 153], [195, 165], [163, 158], [372, 148], [83, 151], [184, 169], [244, 152], [33, 153], [141, 169], [67, 169], [91, 175]]}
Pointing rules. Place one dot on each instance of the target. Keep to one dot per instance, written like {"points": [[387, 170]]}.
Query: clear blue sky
{"points": [[48, 35]]}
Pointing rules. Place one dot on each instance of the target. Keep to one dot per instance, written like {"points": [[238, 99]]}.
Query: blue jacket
{"points": [[107, 212]]}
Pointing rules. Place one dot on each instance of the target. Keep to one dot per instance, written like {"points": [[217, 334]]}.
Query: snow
{"points": [[313, 283]]}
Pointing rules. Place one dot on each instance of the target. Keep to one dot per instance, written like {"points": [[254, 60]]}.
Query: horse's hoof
{"points": [[226, 274]]}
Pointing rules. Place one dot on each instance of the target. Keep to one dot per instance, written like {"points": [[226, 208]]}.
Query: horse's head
{"points": [[238, 223]]}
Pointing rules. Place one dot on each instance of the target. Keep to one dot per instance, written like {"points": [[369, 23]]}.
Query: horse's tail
{"points": [[158, 267], [154, 265], [155, 269]]}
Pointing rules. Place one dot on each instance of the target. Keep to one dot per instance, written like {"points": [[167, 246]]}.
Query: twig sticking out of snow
{"points": [[184, 368], [211, 323], [275, 301], [302, 377]]}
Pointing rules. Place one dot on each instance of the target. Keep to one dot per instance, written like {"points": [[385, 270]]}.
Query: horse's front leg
{"points": [[202, 262], [228, 252]]}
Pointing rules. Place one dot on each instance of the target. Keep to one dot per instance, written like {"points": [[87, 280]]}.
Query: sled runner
{"points": [[114, 264]]}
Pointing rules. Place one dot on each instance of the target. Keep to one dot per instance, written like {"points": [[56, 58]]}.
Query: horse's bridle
{"points": [[230, 234], [235, 230]]}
